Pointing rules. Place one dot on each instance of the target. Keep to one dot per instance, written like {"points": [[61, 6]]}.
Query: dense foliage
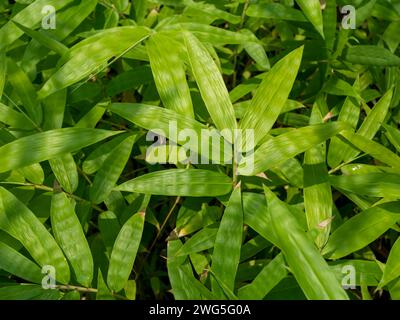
{"points": [[94, 94]]}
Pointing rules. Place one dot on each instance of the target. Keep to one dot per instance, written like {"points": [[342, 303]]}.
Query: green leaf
{"points": [[202, 240], [25, 91], [349, 113], [330, 23], [370, 184], [265, 281], [17, 264], [309, 268], [177, 128], [29, 17], [339, 87], [18, 221], [48, 145], [392, 267], [270, 97], [169, 74], [109, 228], [69, 234], [209, 34], [370, 224], [124, 252], [43, 39], [110, 171], [372, 148], [90, 54], [95, 159], [317, 190], [226, 253], [211, 86], [65, 171], [286, 146], [21, 292], [275, 11], [3, 72], [14, 119], [180, 182], [312, 10], [393, 135], [371, 56]]}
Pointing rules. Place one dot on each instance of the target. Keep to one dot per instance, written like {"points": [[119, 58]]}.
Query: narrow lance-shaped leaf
{"points": [[25, 90], [64, 166], [330, 23], [65, 171], [3, 72], [372, 122], [312, 10], [21, 292], [108, 175], [124, 252], [349, 113], [317, 191], [90, 54], [270, 97], [372, 148], [169, 74], [90, 119], [17, 220], [54, 109], [44, 39], [109, 228], [178, 128], [95, 159], [265, 281], [286, 146], [392, 267], [180, 182], [14, 118], [202, 240], [208, 34], [256, 51], [48, 145], [393, 135], [29, 17], [309, 268], [176, 265], [69, 234], [226, 253], [17, 264], [275, 11], [370, 224], [374, 184], [371, 55], [211, 86]]}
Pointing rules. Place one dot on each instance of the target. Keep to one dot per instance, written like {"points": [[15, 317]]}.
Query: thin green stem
{"points": [[159, 233]]}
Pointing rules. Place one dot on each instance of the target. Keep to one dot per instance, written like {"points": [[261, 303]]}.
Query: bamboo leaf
{"points": [[226, 254], [17, 220], [68, 232], [124, 252], [286, 146], [271, 96], [180, 182], [309, 268], [108, 175], [169, 74], [312, 10], [211, 85], [90, 54], [48, 145], [370, 224]]}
